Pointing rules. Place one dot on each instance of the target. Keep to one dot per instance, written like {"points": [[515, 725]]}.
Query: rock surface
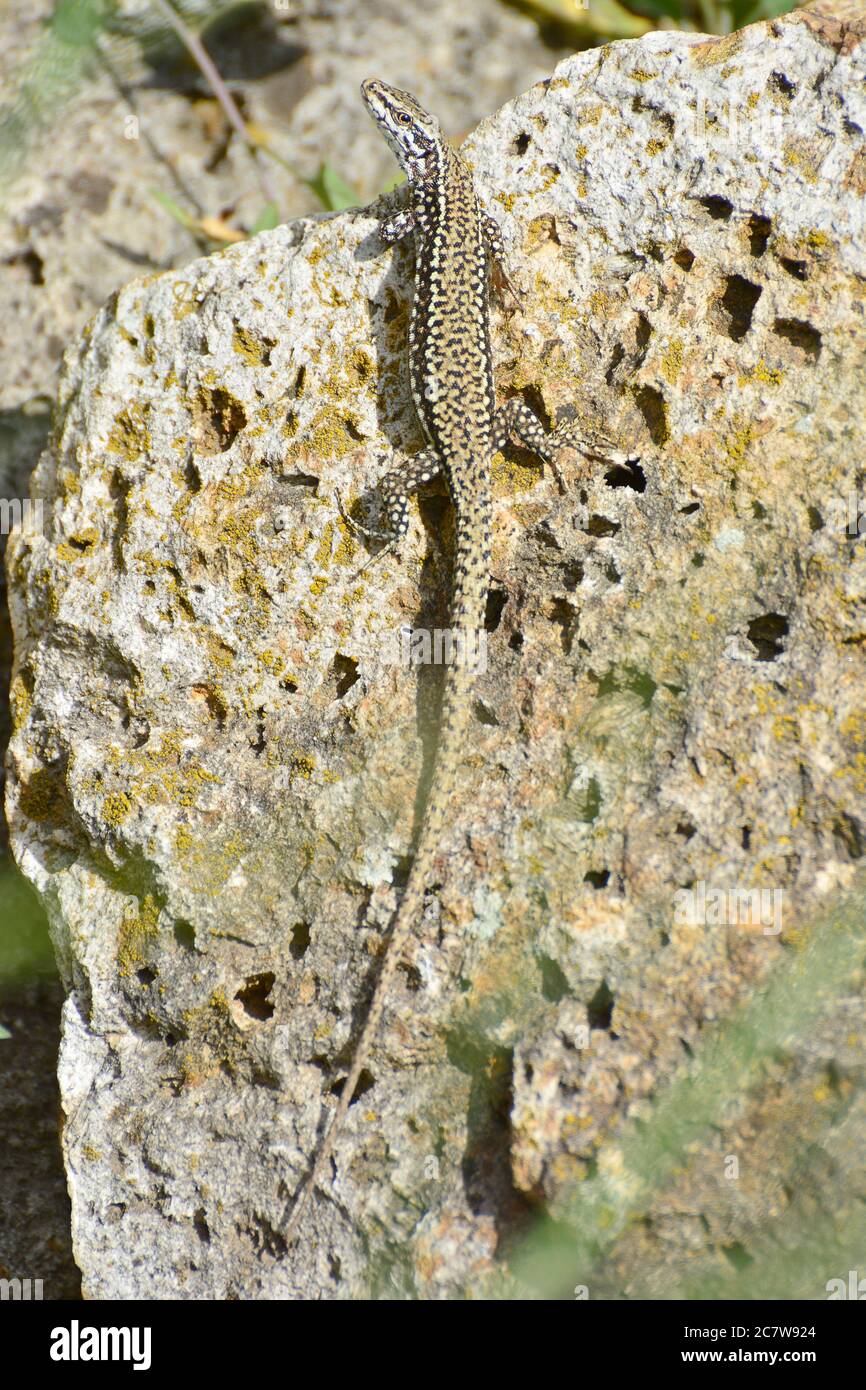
{"points": [[83, 217], [217, 760]]}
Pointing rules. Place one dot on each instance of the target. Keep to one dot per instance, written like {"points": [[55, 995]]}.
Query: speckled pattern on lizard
{"points": [[451, 374]]}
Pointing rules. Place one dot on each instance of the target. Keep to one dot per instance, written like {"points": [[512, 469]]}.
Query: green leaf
{"points": [[615, 21], [607, 18], [4, 1033], [332, 190], [175, 210], [659, 9], [750, 11], [268, 218]]}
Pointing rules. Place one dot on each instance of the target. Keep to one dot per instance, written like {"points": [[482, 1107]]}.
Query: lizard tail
{"points": [[471, 578]]}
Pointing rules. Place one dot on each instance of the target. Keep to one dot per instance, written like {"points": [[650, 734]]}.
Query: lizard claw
{"points": [[557, 473], [503, 282], [601, 447], [355, 526], [368, 534]]}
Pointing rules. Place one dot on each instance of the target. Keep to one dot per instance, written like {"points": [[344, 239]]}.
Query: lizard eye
{"points": [[404, 118]]}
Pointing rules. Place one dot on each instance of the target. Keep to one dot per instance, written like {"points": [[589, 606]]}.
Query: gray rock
{"points": [[215, 772], [82, 217]]}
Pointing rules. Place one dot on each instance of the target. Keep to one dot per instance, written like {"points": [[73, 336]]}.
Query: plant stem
{"points": [[199, 53]]}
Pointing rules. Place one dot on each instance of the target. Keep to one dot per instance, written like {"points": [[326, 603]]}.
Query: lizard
{"points": [[452, 383]]}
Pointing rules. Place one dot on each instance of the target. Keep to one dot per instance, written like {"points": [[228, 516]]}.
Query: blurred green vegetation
{"points": [[25, 949], [604, 20]]}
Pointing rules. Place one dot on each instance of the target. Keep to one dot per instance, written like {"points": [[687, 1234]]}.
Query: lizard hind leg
{"points": [[396, 488], [515, 417]]}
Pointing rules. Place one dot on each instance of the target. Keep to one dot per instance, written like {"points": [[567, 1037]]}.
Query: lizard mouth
{"points": [[373, 92]]}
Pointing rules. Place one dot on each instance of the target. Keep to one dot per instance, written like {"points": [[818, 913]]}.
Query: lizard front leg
{"points": [[515, 417], [397, 225], [396, 488], [496, 245], [494, 239]]}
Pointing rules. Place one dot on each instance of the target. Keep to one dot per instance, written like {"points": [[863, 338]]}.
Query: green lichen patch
{"points": [[360, 369], [139, 933], [129, 435], [270, 661], [20, 699], [116, 808], [43, 796], [255, 351], [239, 535], [539, 231], [323, 550], [738, 441], [215, 700], [208, 860], [347, 546], [771, 376], [220, 653], [165, 772], [805, 155], [672, 361], [213, 1040], [817, 241], [330, 435], [251, 588], [78, 544], [515, 473], [715, 52], [301, 765]]}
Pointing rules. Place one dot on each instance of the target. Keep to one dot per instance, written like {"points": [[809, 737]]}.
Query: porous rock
{"points": [[220, 753]]}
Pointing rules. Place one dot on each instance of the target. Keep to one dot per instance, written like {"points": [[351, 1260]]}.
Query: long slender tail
{"points": [[471, 577]]}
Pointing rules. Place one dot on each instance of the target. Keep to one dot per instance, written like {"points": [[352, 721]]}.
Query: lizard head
{"points": [[413, 134]]}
